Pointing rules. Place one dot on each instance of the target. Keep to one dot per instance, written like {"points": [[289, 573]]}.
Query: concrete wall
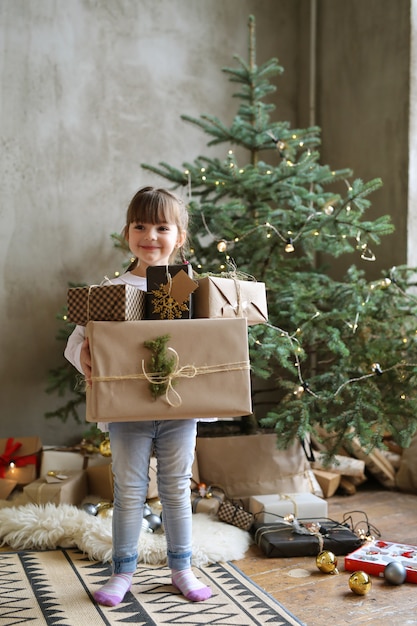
{"points": [[93, 88]]}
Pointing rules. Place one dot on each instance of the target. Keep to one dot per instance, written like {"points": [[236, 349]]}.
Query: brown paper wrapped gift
{"points": [[245, 465], [210, 376], [20, 459], [69, 490], [208, 503], [230, 298], [115, 303], [100, 481]]}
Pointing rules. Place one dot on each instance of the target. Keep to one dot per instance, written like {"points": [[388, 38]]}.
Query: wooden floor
{"points": [[318, 599]]}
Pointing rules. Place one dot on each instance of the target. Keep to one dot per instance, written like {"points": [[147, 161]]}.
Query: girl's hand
{"points": [[85, 359]]}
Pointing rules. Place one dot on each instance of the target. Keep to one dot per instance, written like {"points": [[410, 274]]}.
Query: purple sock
{"points": [[190, 587], [114, 590]]}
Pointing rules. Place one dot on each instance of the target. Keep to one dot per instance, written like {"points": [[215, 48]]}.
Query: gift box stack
{"points": [[188, 351]]}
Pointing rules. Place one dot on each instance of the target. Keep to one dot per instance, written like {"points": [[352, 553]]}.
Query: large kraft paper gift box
{"points": [[210, 374], [115, 303], [20, 459], [69, 488], [246, 465], [230, 298]]}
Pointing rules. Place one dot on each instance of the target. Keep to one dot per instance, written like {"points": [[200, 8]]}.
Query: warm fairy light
{"points": [[403, 396], [203, 169], [204, 178], [12, 464], [289, 246], [329, 209], [222, 246], [222, 267], [299, 391], [405, 340], [117, 274], [377, 369], [236, 239], [64, 317]]}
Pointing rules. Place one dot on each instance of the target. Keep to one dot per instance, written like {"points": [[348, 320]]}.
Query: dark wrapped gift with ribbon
{"points": [[291, 537], [170, 291]]}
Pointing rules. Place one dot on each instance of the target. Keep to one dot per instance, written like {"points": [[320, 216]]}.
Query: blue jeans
{"points": [[132, 443]]}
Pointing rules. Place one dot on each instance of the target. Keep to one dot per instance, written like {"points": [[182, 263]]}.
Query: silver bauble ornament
{"points": [[395, 573], [154, 521], [89, 508], [146, 510]]}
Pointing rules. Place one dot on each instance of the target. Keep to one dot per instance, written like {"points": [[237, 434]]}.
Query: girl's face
{"points": [[153, 244]]}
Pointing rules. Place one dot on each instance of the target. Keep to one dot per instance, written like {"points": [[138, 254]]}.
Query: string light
{"points": [[289, 246]]}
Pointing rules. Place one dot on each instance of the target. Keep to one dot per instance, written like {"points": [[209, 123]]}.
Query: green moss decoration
{"points": [[161, 366]]}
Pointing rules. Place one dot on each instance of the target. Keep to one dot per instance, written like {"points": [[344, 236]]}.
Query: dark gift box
{"points": [[169, 292], [280, 539]]}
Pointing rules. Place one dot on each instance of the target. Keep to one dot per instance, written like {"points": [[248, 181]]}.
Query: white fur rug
{"points": [[49, 526]]}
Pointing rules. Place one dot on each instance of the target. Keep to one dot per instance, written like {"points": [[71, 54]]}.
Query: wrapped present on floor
{"points": [[224, 461], [266, 508], [206, 499], [100, 481], [59, 488], [20, 459], [61, 458], [303, 538], [168, 369], [374, 556], [113, 303], [231, 298], [6, 487], [170, 292]]}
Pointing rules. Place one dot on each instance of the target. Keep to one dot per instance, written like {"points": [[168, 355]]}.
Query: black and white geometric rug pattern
{"points": [[54, 588]]}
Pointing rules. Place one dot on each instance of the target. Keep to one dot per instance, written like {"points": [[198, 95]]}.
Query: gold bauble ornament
{"points": [[105, 509], [360, 583], [105, 448], [326, 561]]}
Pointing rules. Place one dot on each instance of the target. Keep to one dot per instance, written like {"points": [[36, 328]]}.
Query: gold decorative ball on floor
{"points": [[326, 561], [360, 583]]}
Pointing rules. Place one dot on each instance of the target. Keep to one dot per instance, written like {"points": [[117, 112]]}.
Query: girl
{"points": [[156, 230]]}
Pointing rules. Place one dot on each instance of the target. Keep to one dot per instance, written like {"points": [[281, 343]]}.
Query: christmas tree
{"points": [[339, 355]]}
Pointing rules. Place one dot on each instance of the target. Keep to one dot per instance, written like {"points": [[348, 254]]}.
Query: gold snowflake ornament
{"points": [[167, 307]]}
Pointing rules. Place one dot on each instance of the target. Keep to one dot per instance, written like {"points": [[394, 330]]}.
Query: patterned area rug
{"points": [[54, 588]]}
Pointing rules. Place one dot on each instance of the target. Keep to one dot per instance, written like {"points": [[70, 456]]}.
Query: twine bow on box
{"points": [[9, 459]]}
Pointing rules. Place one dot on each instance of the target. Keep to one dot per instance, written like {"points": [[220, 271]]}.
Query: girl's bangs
{"points": [[155, 210]]}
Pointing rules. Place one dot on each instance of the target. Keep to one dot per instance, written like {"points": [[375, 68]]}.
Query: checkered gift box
{"points": [[105, 303]]}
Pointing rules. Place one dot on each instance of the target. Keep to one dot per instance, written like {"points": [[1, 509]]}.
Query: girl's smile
{"points": [[153, 244]]}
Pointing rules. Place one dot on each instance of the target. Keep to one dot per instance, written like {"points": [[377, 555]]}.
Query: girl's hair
{"points": [[150, 205]]}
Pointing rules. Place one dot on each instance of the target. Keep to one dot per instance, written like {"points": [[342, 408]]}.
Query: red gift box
{"points": [[20, 459], [373, 557]]}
